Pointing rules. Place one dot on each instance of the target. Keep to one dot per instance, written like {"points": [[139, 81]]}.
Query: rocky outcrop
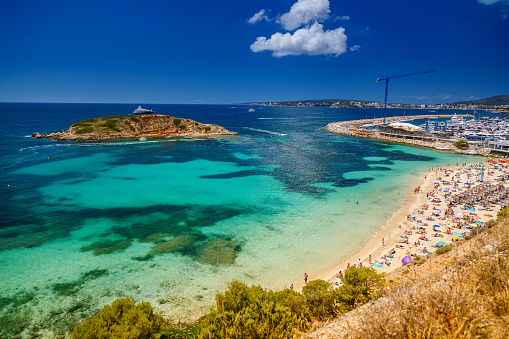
{"points": [[133, 127]]}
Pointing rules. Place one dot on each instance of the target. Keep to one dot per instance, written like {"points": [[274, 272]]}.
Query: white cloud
{"points": [[354, 48], [258, 17], [342, 18], [304, 11], [311, 40], [491, 2]]}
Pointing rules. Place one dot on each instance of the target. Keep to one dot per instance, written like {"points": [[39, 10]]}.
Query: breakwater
{"points": [[358, 128]]}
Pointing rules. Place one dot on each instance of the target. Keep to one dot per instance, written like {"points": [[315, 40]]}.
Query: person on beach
{"points": [[291, 287], [369, 259], [305, 278]]}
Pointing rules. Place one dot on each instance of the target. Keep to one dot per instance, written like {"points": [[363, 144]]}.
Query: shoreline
{"points": [[399, 224]]}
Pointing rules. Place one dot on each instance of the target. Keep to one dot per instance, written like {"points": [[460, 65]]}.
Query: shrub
{"points": [[319, 298], [207, 128], [360, 285], [110, 124], [444, 249], [176, 121], [123, 319], [85, 130], [461, 144], [503, 213], [251, 312]]}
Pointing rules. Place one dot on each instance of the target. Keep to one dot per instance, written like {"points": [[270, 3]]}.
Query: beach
{"points": [[456, 199]]}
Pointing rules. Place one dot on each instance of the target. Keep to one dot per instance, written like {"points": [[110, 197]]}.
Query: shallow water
{"points": [[173, 222]]}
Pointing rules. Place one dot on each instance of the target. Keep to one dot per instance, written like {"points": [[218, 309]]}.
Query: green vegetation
{"points": [[503, 213], [241, 311], [207, 128], [110, 124], [443, 249], [176, 121], [85, 130], [252, 312], [123, 319], [461, 144]]}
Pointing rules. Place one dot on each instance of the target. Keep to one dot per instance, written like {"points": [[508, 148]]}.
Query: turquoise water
{"points": [[173, 222]]}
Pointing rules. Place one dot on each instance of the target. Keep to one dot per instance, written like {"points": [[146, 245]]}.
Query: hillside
{"points": [[463, 293], [497, 100], [132, 127]]}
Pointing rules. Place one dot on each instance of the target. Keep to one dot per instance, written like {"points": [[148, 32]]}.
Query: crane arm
{"points": [[387, 78]]}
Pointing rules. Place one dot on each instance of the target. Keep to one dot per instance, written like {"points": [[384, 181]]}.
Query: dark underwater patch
{"points": [[218, 252], [351, 182], [73, 287], [238, 174], [107, 246]]}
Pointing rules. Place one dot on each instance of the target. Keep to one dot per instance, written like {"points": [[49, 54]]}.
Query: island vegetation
{"points": [[461, 291], [135, 126]]}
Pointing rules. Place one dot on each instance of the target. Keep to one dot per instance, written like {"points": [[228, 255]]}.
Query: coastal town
{"points": [[498, 104]]}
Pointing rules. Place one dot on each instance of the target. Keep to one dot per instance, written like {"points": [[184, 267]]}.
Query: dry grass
{"points": [[461, 294]]}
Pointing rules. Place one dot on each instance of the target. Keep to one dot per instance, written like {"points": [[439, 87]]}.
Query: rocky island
{"points": [[120, 127]]}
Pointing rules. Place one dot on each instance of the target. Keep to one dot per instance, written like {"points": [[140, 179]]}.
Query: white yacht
{"points": [[140, 111]]}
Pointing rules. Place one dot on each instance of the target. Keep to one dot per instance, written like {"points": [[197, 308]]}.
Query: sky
{"points": [[225, 51]]}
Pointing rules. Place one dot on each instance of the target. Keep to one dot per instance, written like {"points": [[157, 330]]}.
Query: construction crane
{"points": [[387, 78]]}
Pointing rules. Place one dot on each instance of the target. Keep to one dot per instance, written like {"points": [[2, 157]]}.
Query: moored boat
{"points": [[140, 111]]}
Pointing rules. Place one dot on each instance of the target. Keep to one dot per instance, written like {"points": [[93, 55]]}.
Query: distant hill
{"points": [[314, 102], [491, 101]]}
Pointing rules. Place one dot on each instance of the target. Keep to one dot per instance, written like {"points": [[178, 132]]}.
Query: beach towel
{"points": [[377, 264]]}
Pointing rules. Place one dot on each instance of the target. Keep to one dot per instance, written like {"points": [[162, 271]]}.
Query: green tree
{"points": [[360, 285], [123, 319], [461, 144], [319, 298]]}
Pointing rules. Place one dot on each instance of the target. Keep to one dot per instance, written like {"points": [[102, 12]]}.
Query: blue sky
{"points": [[226, 51]]}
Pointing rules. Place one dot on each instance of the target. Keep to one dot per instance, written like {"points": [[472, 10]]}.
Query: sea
{"points": [[174, 221]]}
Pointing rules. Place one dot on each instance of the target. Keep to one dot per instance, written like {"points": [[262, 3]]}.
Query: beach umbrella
{"points": [[473, 225], [471, 210], [455, 237], [440, 243], [479, 223], [406, 260], [420, 224], [459, 235], [436, 225]]}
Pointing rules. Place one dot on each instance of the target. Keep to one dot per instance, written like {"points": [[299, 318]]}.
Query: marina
{"points": [[484, 135]]}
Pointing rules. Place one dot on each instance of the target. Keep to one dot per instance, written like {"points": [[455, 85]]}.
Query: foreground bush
{"points": [[123, 319], [360, 285], [252, 312], [319, 298]]}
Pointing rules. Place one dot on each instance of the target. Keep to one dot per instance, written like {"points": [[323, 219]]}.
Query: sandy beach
{"points": [[444, 206]]}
